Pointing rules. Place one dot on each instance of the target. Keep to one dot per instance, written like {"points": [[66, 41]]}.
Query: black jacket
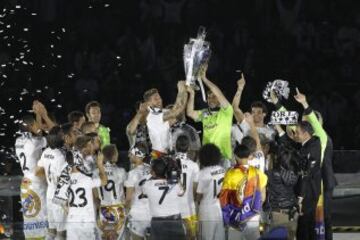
{"points": [[280, 189], [310, 182]]}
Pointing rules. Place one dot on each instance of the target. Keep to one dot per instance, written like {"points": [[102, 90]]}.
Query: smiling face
{"points": [[258, 115], [94, 115], [155, 101]]}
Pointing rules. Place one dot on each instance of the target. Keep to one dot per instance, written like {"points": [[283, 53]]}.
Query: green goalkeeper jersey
{"points": [[217, 129]]}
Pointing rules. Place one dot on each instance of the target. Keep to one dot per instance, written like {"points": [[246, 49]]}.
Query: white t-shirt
{"points": [[28, 149], [258, 161], [159, 131], [189, 175], [267, 130], [113, 192], [210, 183], [164, 199], [81, 202], [53, 161], [136, 178]]}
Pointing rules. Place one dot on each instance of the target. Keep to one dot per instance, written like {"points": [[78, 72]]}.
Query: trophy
{"points": [[279, 87], [196, 54]]}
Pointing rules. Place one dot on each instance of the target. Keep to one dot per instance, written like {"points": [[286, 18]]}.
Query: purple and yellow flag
{"points": [[240, 196]]}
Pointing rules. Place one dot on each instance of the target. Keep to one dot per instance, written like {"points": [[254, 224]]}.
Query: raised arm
{"points": [[100, 165], [213, 88], [180, 103], [311, 118], [190, 112], [42, 116], [253, 132], [239, 115], [134, 123]]}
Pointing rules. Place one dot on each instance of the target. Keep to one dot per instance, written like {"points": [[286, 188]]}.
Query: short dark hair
{"points": [[242, 151], [82, 141], [182, 144], [109, 152], [90, 105], [159, 167], [250, 143], [209, 155], [306, 126], [26, 122], [75, 116], [67, 128], [149, 93], [55, 138], [259, 104], [85, 126]]}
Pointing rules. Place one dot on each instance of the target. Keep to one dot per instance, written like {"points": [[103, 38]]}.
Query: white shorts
{"points": [[34, 208], [138, 222], [56, 216], [81, 233]]}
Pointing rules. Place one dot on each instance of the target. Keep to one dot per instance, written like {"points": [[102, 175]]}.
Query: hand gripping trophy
{"points": [[196, 54]]}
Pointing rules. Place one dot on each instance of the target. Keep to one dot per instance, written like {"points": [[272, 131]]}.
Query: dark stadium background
{"points": [[66, 53]]}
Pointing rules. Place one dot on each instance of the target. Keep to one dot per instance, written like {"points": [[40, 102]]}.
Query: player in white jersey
{"points": [[164, 202], [28, 149], [112, 197], [188, 180], [81, 219], [139, 214], [51, 163], [158, 120], [211, 176], [253, 143]]}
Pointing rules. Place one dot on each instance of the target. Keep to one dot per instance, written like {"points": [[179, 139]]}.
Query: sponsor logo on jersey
{"points": [[35, 225], [31, 203]]}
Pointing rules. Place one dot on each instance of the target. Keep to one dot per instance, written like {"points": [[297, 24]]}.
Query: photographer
{"points": [[281, 199], [164, 194]]}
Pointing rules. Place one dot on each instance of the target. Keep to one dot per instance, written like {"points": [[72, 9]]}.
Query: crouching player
{"points": [[112, 197]]}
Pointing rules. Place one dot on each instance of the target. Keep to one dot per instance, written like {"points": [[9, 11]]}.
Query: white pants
{"points": [[211, 222], [56, 216], [139, 221], [81, 233]]}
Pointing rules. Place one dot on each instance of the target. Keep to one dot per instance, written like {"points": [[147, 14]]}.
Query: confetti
{"points": [[17, 6], [33, 14], [118, 57], [53, 100], [26, 29], [58, 106], [38, 90], [63, 29], [11, 117], [107, 5]]}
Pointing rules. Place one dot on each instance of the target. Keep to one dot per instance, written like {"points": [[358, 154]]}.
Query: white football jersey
{"points": [[159, 131], [113, 192], [268, 131], [81, 202], [164, 199], [210, 183], [189, 175], [136, 178], [53, 162], [28, 149], [258, 161]]}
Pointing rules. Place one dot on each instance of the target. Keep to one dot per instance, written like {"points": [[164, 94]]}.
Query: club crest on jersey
{"points": [[112, 217], [31, 204]]}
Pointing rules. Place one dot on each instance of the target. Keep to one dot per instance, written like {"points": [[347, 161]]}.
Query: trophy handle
{"points": [[202, 89]]}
